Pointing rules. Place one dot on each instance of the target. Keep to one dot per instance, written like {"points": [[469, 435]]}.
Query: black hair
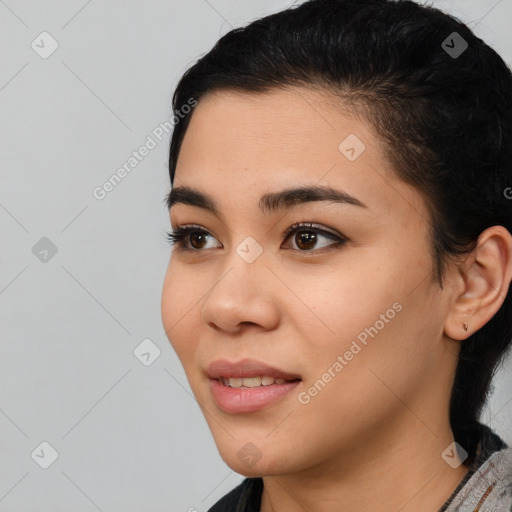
{"points": [[439, 98]]}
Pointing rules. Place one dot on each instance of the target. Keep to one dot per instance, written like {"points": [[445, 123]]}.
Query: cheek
{"points": [[345, 299], [179, 305], [367, 315]]}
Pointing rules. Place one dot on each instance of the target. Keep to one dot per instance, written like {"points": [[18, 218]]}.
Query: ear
{"points": [[481, 283]]}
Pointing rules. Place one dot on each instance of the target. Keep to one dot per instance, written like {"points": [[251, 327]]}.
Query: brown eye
{"points": [[198, 239], [307, 238], [189, 238]]}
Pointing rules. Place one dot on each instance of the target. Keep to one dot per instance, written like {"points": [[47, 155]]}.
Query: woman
{"points": [[338, 290]]}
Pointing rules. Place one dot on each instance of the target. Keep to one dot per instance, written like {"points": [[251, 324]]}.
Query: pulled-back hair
{"points": [[444, 118]]}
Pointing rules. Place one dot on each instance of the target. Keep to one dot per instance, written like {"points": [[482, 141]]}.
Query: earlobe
{"points": [[484, 277]]}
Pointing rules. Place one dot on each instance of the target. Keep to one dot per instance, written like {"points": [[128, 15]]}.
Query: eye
{"points": [[195, 234], [306, 237]]}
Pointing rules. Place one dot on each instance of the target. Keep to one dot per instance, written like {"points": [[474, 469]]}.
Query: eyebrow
{"points": [[270, 202]]}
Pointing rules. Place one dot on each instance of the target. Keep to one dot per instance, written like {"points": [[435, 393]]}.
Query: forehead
{"points": [[289, 133], [290, 121], [239, 146]]}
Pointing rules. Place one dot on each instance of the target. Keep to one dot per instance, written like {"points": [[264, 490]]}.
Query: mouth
{"points": [[248, 386], [252, 382]]}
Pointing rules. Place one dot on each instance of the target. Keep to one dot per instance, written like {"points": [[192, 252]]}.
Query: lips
{"points": [[248, 385], [246, 368]]}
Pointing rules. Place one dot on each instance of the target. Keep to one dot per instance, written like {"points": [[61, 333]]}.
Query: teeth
{"points": [[250, 382], [266, 381]]}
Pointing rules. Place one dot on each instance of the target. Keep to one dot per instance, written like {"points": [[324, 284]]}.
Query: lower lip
{"points": [[238, 400]]}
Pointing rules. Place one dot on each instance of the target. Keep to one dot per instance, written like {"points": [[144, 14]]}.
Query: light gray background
{"points": [[129, 437]]}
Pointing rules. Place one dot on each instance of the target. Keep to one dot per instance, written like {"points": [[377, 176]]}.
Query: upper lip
{"points": [[246, 368]]}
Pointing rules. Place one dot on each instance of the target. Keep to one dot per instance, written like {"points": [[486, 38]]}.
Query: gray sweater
{"points": [[488, 486]]}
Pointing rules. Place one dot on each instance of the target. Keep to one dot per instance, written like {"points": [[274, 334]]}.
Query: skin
{"points": [[372, 439]]}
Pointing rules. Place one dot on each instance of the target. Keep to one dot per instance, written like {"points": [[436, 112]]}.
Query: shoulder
{"points": [[490, 487], [496, 476], [503, 475], [246, 497]]}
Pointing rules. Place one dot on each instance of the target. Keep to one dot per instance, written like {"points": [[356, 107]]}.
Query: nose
{"points": [[246, 293]]}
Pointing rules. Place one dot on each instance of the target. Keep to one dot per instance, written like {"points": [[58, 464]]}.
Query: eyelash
{"points": [[180, 233]]}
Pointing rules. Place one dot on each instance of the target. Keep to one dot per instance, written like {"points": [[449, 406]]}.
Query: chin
{"points": [[250, 459], [251, 470]]}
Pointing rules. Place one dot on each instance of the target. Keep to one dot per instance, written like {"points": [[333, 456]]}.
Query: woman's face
{"points": [[346, 311]]}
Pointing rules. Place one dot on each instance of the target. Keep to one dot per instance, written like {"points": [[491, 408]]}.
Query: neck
{"points": [[408, 474]]}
